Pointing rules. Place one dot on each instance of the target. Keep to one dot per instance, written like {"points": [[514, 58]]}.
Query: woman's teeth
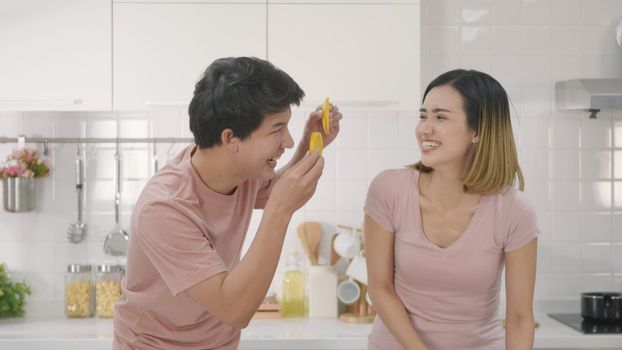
{"points": [[430, 144]]}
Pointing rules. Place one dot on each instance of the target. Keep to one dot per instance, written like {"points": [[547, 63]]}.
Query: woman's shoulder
{"points": [[514, 199], [397, 175]]}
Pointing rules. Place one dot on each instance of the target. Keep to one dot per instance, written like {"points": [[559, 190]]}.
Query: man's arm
{"points": [[234, 297], [314, 123]]}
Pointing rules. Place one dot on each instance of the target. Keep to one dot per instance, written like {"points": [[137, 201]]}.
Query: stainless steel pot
{"points": [[602, 306], [19, 194]]}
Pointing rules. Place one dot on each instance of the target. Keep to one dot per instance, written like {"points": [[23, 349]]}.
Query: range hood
{"points": [[589, 94]]}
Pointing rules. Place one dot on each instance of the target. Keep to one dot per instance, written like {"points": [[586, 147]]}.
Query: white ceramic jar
{"points": [[322, 291]]}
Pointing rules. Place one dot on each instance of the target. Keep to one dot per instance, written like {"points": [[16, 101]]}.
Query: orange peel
{"points": [[316, 143], [326, 116]]}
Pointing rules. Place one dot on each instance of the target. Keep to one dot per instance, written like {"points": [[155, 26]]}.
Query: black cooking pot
{"points": [[601, 306]]}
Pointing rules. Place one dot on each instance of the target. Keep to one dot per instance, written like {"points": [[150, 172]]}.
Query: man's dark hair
{"points": [[237, 93]]}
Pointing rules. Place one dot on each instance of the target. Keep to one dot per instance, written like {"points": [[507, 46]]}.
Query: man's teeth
{"points": [[430, 143]]}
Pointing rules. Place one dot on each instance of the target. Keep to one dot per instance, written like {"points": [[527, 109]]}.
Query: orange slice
{"points": [[325, 116], [316, 142]]}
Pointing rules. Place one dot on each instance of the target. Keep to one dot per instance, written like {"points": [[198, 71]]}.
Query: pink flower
{"points": [[24, 163], [13, 170]]}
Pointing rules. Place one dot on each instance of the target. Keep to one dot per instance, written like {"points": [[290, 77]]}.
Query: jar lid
{"points": [[109, 268], [74, 268]]}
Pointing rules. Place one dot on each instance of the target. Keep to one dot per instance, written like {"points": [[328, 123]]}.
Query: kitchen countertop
{"points": [[61, 333]]}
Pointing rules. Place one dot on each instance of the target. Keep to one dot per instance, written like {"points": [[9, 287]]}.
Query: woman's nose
{"points": [[424, 126]]}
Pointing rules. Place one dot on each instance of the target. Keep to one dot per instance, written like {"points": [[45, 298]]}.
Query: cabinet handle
{"points": [[164, 103], [41, 102]]}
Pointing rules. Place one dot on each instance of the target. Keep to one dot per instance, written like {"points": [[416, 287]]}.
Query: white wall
{"points": [[569, 161]]}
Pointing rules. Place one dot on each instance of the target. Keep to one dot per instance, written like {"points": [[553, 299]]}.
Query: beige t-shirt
{"points": [[182, 233], [451, 294]]}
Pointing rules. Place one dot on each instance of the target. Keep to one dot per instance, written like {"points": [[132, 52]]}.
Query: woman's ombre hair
{"points": [[495, 162]]}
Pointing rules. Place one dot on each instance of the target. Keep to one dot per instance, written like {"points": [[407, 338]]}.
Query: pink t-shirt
{"points": [[451, 294], [182, 233]]}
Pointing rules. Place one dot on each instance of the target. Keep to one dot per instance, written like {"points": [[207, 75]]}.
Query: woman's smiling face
{"points": [[443, 134]]}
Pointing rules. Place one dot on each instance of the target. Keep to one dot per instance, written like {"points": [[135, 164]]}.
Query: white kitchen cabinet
{"points": [[55, 55], [357, 54], [161, 49]]}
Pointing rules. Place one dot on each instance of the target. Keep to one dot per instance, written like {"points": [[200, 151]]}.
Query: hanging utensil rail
{"points": [[95, 140]]}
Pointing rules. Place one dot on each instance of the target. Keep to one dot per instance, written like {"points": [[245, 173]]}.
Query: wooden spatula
{"points": [[310, 234], [314, 237]]}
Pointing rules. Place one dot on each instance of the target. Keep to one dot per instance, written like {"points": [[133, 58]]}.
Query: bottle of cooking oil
{"points": [[293, 300]]}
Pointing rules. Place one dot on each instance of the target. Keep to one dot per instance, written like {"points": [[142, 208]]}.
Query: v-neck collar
{"points": [[474, 218]]}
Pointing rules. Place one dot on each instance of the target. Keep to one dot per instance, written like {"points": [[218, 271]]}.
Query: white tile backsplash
{"points": [[505, 11], [564, 164], [596, 227], [596, 11], [596, 165], [566, 227], [527, 45], [506, 39], [596, 257], [475, 11], [596, 195], [536, 39], [566, 12], [536, 11], [566, 257]]}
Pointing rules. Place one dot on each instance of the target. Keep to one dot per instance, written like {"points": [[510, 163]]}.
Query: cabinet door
{"points": [[161, 49], [55, 55], [356, 54]]}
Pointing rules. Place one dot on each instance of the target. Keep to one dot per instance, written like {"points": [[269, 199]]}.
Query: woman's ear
{"points": [[229, 140], [475, 138]]}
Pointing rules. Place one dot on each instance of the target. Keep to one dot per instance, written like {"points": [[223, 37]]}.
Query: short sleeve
{"points": [[177, 248], [523, 223], [379, 204]]}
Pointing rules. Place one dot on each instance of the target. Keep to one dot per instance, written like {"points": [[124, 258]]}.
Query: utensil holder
{"points": [[19, 194]]}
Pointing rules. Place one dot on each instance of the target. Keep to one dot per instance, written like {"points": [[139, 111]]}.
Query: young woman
{"points": [[439, 233]]}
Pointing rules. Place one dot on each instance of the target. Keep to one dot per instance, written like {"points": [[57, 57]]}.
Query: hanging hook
{"points": [[46, 150], [155, 158], [21, 142]]}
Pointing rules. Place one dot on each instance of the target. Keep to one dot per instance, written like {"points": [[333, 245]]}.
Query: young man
{"points": [[186, 287]]}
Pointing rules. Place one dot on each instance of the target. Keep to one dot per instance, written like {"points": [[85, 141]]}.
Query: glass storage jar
{"points": [[79, 294], [107, 289]]}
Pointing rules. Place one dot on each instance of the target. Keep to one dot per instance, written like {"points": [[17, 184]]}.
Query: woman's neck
{"points": [[444, 188]]}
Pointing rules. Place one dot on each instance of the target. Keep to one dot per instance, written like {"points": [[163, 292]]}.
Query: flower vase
{"points": [[19, 194]]}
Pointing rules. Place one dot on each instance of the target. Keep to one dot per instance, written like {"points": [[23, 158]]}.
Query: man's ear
{"points": [[229, 140]]}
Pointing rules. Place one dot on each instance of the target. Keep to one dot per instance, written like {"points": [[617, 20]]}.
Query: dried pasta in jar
{"points": [[78, 291], [107, 289]]}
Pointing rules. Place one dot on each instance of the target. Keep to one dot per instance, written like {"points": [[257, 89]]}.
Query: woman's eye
{"points": [[422, 116]]}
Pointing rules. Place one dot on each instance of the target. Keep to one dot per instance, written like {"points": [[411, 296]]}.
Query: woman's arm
{"points": [[520, 280], [379, 254]]}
